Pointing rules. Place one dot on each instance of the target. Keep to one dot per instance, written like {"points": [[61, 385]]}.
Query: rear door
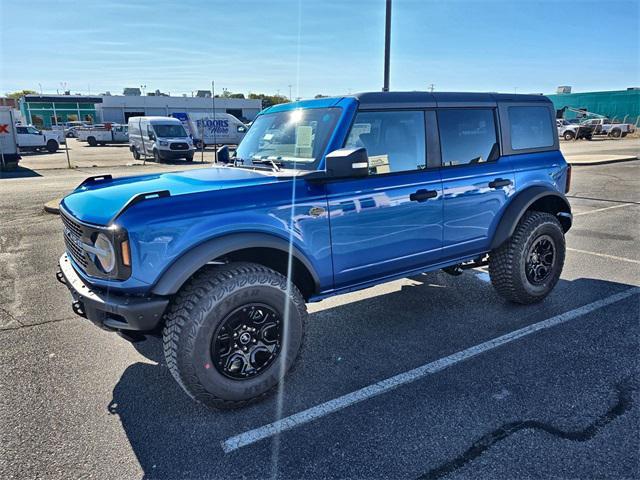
{"points": [[477, 182], [391, 221]]}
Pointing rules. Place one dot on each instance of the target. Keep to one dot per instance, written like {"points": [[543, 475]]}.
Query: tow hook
{"points": [[60, 277], [455, 270]]}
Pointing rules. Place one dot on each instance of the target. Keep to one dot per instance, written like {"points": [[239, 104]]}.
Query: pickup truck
{"points": [[322, 197], [30, 138], [103, 134], [604, 126], [571, 131]]}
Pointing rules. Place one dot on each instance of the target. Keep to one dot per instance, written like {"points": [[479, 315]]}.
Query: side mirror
{"points": [[223, 155], [347, 163], [152, 136]]}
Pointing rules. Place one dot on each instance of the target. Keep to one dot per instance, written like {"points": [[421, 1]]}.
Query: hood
{"points": [[97, 203]]}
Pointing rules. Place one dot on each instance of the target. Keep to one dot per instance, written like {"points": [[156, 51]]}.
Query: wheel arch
{"points": [[265, 249], [538, 198]]}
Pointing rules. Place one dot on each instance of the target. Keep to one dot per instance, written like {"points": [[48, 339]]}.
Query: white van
{"points": [[163, 138], [208, 129]]}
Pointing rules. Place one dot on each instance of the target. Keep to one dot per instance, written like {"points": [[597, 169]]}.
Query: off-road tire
{"points": [[136, 153], [507, 262], [195, 314], [568, 135], [52, 146], [92, 141]]}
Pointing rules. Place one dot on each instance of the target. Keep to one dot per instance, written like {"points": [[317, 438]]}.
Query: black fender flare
{"points": [[185, 266], [521, 203]]}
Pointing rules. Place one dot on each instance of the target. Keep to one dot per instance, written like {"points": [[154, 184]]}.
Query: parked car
{"points": [[104, 134], [322, 197], [163, 138], [570, 131], [30, 138], [604, 126], [70, 128]]}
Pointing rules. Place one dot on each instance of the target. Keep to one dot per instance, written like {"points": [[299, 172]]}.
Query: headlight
{"points": [[105, 253], [163, 143]]}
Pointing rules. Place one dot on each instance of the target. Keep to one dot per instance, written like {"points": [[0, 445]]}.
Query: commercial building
{"points": [[621, 105], [43, 111], [118, 108]]}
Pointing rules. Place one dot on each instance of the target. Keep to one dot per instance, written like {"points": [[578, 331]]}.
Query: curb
{"points": [[53, 206], [603, 162]]}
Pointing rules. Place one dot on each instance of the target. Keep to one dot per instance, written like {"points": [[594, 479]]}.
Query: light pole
{"points": [[290, 99], [387, 46]]}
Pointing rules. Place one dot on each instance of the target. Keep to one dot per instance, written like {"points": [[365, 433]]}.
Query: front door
{"points": [[391, 221], [476, 182]]}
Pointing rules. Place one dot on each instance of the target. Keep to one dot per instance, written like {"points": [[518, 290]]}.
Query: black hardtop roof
{"points": [[378, 98]]}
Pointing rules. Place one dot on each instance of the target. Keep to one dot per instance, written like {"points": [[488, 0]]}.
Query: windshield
{"points": [[295, 138], [164, 131]]}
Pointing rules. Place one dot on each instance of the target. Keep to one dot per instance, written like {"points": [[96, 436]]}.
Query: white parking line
{"points": [[604, 255], [313, 413], [603, 209]]}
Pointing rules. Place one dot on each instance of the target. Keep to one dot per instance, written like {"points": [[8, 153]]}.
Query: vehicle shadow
{"points": [[20, 172], [173, 437]]}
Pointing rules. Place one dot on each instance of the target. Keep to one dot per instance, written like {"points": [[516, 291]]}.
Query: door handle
{"points": [[423, 195], [500, 182]]}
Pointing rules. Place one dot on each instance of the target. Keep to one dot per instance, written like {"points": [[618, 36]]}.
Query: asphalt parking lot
{"points": [[556, 396]]}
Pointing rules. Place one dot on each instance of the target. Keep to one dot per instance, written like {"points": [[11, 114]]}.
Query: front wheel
{"points": [[52, 146], [156, 156], [136, 153], [526, 267], [568, 135], [232, 332]]}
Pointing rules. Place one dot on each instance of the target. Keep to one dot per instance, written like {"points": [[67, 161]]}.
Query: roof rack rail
{"points": [[95, 179], [140, 197]]}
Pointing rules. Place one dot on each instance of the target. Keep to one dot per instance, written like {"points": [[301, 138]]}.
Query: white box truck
{"points": [[9, 154], [163, 138], [207, 129]]}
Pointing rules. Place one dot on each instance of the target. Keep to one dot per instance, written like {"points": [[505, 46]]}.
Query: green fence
{"points": [[621, 105]]}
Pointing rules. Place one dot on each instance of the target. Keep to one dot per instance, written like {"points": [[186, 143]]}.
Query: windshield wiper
{"points": [[276, 165]]}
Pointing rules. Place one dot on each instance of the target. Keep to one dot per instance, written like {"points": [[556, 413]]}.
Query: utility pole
{"points": [[431, 87], [387, 46]]}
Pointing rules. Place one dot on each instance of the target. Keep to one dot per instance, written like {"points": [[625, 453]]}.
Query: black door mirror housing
{"points": [[223, 154], [347, 163]]}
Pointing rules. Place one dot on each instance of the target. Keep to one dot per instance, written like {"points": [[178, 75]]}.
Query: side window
{"points": [[530, 127], [467, 135], [395, 141], [21, 130]]}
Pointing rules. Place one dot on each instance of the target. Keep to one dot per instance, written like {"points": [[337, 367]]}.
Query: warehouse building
{"points": [[620, 105], [43, 111], [118, 108]]}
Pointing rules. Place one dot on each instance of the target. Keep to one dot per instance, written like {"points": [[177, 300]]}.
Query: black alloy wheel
{"points": [[540, 260], [247, 341]]}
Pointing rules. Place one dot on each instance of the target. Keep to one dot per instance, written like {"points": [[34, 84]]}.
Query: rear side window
{"points": [[530, 128], [467, 136]]}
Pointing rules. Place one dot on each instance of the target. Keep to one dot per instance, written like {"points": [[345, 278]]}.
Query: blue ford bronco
{"points": [[321, 197]]}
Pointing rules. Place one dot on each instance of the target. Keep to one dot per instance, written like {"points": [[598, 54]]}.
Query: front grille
{"points": [[179, 146], [74, 230]]}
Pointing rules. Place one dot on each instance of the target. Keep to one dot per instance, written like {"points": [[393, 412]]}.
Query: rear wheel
{"points": [[52, 146], [616, 133], [568, 135], [92, 141], [232, 332], [526, 267]]}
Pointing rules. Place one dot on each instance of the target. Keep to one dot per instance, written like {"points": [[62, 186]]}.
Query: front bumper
{"points": [[108, 310]]}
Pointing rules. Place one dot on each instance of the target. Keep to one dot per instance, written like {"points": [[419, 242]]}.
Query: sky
{"points": [[328, 47]]}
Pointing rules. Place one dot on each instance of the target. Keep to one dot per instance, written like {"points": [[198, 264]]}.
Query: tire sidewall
{"points": [[196, 354], [554, 231]]}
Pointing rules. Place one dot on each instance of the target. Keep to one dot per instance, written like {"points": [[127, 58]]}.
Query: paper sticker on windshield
{"points": [[268, 137], [304, 136]]}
